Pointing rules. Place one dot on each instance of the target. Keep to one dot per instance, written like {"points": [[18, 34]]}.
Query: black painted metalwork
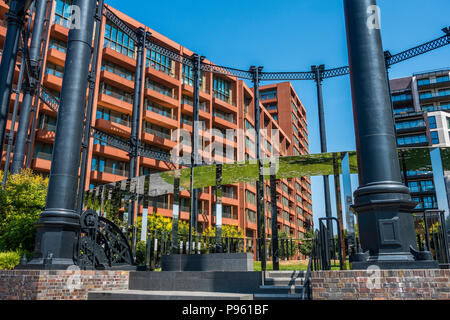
{"points": [[383, 204], [90, 105], [274, 216], [10, 135], [176, 211], [30, 84], [260, 208], [102, 245], [58, 224], [318, 77], [15, 18], [195, 154]]}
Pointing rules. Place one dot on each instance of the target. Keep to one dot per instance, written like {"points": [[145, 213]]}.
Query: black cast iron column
{"points": [[90, 105], [323, 143], [15, 18], [58, 226], [195, 156], [29, 87], [383, 204], [260, 208]]}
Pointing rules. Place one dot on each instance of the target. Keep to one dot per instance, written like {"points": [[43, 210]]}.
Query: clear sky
{"points": [[292, 35]]}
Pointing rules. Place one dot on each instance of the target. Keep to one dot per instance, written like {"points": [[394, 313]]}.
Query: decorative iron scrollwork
{"points": [[102, 245]]}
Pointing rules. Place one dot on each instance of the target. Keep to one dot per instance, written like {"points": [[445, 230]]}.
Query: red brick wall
{"points": [[58, 285], [384, 285]]}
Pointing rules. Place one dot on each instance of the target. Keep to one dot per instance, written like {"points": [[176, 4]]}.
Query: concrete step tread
{"points": [[163, 295], [286, 274], [280, 287], [273, 296], [284, 279]]}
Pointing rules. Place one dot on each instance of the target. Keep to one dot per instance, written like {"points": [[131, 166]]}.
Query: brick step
{"points": [[166, 295], [284, 281]]}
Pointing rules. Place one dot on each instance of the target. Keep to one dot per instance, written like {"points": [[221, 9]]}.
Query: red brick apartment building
{"points": [[225, 103]]}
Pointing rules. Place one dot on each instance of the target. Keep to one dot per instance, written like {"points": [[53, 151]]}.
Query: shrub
{"points": [[8, 260], [21, 202]]}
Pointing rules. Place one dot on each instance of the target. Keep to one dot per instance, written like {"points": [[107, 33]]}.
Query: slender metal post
{"points": [[274, 211], [175, 211], [337, 189], [195, 156], [30, 140], [219, 245], [323, 142], [16, 19], [382, 202], [260, 208], [90, 105], [347, 186], [135, 121], [16, 102], [29, 86], [58, 226]]}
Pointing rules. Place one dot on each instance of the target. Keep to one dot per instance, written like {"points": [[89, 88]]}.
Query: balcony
{"points": [[113, 128], [169, 80], [119, 58], [53, 82], [117, 81], [110, 152], [157, 138], [203, 111], [106, 177], [148, 162], [41, 164], [435, 97], [59, 31], [55, 56], [167, 101], [190, 90], [224, 123], [223, 105], [45, 135], [116, 102]]}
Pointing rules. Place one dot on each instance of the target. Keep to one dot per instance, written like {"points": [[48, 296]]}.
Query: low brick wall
{"points": [[58, 285], [381, 285]]}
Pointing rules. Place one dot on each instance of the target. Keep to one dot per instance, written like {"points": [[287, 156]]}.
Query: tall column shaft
{"points": [[58, 225], [383, 204], [29, 89], [15, 18]]}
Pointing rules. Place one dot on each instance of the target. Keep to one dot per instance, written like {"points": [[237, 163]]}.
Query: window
{"points": [[272, 107], [160, 62], [159, 109], [403, 110], [113, 116], [118, 41], [157, 130], [423, 82], [401, 97], [416, 139], [222, 89], [111, 166], [250, 215], [448, 123], [410, 124], [155, 86], [250, 197], [414, 186], [444, 92], [54, 70], [47, 122], [116, 93], [224, 115], [58, 45], [442, 79], [62, 12], [266, 95], [432, 122], [444, 105], [275, 116], [113, 68], [428, 107], [426, 95], [434, 137], [43, 151]]}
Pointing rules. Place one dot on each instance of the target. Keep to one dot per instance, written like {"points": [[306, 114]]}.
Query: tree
{"points": [[21, 202], [306, 245]]}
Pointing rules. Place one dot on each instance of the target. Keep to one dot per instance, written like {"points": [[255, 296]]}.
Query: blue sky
{"points": [[292, 35]]}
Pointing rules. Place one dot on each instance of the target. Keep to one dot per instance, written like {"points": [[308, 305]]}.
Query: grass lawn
{"points": [[290, 265]]}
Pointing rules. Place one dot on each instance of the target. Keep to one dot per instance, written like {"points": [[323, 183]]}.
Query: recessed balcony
{"points": [[117, 81]]}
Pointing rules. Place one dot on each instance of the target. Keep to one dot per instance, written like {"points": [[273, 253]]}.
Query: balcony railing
{"points": [[158, 133]]}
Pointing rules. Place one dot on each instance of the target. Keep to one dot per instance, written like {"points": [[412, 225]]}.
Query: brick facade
{"points": [[58, 285], [387, 285]]}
